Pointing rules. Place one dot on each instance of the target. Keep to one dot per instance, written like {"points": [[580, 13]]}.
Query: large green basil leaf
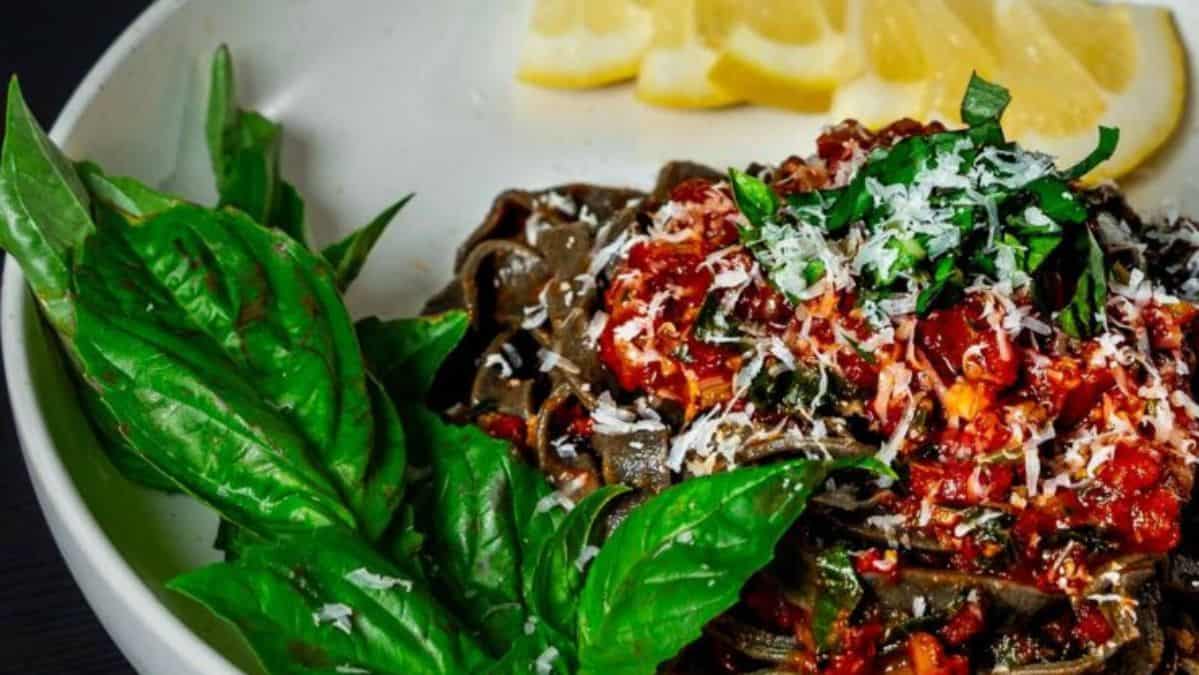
{"points": [[482, 515], [682, 558], [407, 353], [44, 216], [325, 602], [233, 539], [349, 255], [558, 568], [243, 331], [245, 147], [123, 456], [44, 210], [126, 195]]}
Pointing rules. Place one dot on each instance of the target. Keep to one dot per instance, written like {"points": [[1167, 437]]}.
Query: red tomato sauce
{"points": [[979, 399]]}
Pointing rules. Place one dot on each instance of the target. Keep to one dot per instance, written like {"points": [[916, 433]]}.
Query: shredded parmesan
{"points": [[364, 578], [544, 665], [586, 555], [337, 614]]}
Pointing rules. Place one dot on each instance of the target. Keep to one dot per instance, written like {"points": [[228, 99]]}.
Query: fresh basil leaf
{"points": [[793, 391], [838, 594], [539, 650], [756, 200], [814, 272], [924, 301], [899, 164], [814, 200], [349, 255], [287, 213], [180, 402], [682, 558], [245, 149], [233, 539], [1083, 316], [326, 602], [1040, 247], [851, 205], [1057, 200], [984, 101], [44, 210], [1109, 139], [863, 354], [552, 588], [123, 456], [126, 195], [407, 353], [986, 134], [484, 516], [220, 124], [947, 279], [207, 312], [712, 325], [406, 541]]}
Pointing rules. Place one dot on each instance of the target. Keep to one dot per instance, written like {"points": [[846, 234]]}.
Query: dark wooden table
{"points": [[46, 627]]}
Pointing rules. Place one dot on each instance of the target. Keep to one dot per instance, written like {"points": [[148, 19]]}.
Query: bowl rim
{"points": [[55, 489]]}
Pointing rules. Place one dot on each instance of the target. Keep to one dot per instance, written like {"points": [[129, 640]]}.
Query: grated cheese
{"points": [[888, 524], [544, 665], [1032, 456], [564, 448], [536, 315], [497, 361], [962, 529], [555, 499], [559, 202], [364, 578], [534, 226], [551, 360], [612, 420], [586, 555], [336, 614], [512, 354], [587, 217]]}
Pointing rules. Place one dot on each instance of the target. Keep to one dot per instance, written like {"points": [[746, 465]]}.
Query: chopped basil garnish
{"points": [[925, 217], [1109, 138], [755, 198], [1084, 316], [984, 101]]}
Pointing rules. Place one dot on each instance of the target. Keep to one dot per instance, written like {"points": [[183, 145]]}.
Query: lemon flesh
{"points": [[577, 44], [786, 53], [686, 39]]}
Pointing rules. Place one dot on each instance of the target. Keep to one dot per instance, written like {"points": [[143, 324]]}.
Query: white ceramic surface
{"points": [[379, 97]]}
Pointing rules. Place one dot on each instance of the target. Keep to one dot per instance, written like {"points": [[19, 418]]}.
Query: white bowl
{"points": [[379, 98]]}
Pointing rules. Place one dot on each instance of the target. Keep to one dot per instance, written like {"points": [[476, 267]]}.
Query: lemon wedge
{"points": [[787, 53], [1071, 66], [1125, 68], [687, 35], [965, 46], [577, 44], [886, 39]]}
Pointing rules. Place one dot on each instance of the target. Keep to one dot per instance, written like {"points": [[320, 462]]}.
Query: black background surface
{"points": [[46, 627]]}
